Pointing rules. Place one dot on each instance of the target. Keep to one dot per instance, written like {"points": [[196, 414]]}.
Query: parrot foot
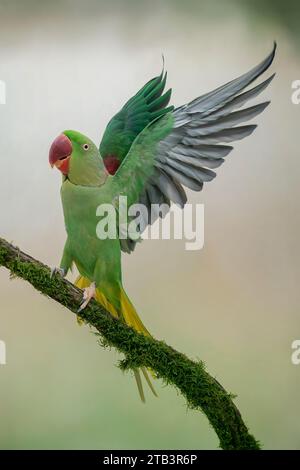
{"points": [[88, 294], [59, 271]]}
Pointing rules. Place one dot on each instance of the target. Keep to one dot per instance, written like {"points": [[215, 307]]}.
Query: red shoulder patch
{"points": [[111, 163]]}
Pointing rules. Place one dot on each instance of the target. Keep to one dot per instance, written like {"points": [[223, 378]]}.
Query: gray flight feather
{"points": [[196, 143]]}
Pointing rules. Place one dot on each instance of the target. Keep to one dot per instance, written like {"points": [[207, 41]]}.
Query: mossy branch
{"points": [[201, 391]]}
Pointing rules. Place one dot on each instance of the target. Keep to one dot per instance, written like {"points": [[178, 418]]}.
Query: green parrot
{"points": [[148, 153]]}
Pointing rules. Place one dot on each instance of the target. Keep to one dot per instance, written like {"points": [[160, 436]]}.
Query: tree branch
{"points": [[201, 391]]}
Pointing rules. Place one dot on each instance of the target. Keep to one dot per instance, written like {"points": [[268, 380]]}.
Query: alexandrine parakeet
{"points": [[149, 152]]}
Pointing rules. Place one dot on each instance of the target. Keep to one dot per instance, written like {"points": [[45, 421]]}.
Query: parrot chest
{"points": [[80, 206]]}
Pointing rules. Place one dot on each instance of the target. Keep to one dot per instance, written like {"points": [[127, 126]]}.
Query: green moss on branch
{"points": [[201, 391]]}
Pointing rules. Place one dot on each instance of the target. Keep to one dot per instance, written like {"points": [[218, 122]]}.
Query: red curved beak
{"points": [[60, 152]]}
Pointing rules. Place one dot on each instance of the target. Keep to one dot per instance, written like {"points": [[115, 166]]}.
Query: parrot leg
{"points": [[88, 294]]}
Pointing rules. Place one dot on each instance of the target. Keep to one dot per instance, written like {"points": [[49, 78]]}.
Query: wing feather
{"points": [[201, 130]]}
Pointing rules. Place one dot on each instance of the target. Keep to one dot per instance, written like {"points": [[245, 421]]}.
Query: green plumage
{"points": [[87, 187], [148, 104], [148, 153]]}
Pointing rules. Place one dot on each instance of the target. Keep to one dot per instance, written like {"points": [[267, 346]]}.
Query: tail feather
{"points": [[146, 375], [132, 319], [130, 315], [138, 380]]}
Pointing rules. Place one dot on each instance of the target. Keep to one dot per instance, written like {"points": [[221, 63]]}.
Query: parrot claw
{"points": [[88, 294], [59, 271]]}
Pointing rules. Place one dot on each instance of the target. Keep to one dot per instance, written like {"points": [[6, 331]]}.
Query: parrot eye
{"points": [[85, 146]]}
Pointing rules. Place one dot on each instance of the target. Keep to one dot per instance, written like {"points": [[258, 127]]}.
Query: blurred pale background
{"points": [[235, 304]]}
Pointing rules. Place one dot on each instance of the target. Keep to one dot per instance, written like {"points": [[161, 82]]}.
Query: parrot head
{"points": [[78, 159]]}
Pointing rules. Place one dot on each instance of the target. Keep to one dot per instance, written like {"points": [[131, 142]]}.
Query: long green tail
{"points": [[132, 319]]}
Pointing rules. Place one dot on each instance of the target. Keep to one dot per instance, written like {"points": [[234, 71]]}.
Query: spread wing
{"points": [[196, 144], [139, 164], [147, 105]]}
